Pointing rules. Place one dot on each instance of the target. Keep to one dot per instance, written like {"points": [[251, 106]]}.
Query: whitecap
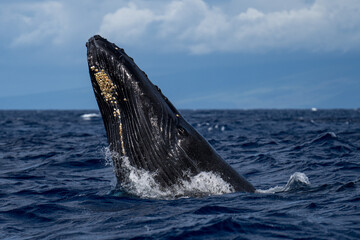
{"points": [[332, 134], [298, 180], [89, 116]]}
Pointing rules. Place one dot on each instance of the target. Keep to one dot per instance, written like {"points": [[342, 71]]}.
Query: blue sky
{"points": [[203, 54]]}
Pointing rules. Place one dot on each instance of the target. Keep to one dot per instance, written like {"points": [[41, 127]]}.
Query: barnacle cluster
{"points": [[107, 89], [106, 86]]}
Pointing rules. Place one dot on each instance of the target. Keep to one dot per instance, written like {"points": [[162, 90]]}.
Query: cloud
{"points": [[33, 23], [194, 26], [128, 22], [199, 27]]}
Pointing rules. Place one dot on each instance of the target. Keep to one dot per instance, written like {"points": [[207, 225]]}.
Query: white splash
{"points": [[216, 127], [143, 183], [107, 153], [297, 180], [205, 183], [332, 134], [89, 116]]}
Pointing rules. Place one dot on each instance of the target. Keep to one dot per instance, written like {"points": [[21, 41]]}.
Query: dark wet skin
{"points": [[144, 126]]}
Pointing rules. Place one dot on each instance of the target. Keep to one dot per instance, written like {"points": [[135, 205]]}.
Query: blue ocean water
{"points": [[56, 181]]}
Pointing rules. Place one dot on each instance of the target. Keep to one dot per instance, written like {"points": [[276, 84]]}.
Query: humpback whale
{"points": [[144, 128]]}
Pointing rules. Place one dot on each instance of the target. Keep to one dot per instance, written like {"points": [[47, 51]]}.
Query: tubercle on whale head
{"points": [[107, 62], [124, 90], [105, 58]]}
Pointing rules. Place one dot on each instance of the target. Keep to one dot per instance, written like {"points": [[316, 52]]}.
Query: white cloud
{"points": [[128, 22], [194, 26], [32, 23], [199, 27]]}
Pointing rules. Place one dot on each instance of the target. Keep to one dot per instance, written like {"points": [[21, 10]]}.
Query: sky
{"points": [[227, 54]]}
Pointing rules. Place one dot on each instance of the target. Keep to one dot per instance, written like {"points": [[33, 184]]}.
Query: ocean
{"points": [[57, 181]]}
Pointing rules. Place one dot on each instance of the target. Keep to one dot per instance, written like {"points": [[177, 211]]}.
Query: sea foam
{"points": [[298, 180], [89, 116], [142, 183]]}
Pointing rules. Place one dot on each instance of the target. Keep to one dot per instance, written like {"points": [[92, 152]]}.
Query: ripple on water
{"points": [[56, 182]]}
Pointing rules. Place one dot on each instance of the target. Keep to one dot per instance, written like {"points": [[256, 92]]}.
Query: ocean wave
{"points": [[297, 181], [89, 116], [57, 184]]}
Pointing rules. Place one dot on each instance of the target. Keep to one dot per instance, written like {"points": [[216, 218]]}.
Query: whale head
{"points": [[141, 123], [144, 126]]}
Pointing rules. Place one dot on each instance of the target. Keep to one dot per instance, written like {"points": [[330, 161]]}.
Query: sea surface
{"points": [[57, 182]]}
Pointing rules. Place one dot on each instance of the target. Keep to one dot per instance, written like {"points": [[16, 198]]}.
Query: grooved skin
{"points": [[148, 128]]}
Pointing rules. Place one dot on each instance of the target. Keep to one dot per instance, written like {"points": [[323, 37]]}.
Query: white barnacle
{"points": [[106, 86], [122, 139]]}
